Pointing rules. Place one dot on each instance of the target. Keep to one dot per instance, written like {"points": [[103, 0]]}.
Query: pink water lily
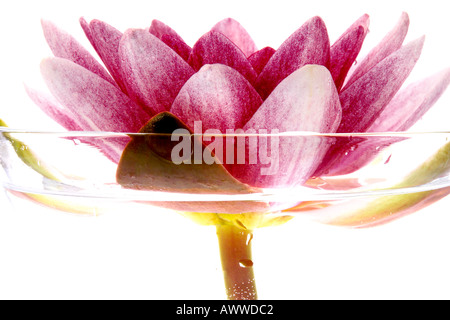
{"points": [[225, 82], [154, 82]]}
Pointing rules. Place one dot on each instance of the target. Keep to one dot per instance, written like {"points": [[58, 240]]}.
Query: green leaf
{"points": [[29, 157]]}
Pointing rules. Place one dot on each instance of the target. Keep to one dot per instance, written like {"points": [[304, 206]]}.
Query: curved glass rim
{"points": [[268, 195], [279, 134]]}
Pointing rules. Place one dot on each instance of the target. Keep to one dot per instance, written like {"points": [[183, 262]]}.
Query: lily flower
{"points": [[225, 82], [154, 82]]}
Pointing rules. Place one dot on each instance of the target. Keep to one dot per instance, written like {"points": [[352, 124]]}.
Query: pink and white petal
{"points": [[306, 100], [52, 108], [158, 29], [105, 40], [365, 99], [154, 73], [170, 37], [389, 44], [411, 103], [213, 47], [177, 45], [219, 96], [344, 51], [404, 110], [234, 31], [308, 45], [93, 102], [63, 45], [260, 58]]}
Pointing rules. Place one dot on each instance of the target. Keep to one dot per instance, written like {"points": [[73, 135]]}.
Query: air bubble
{"points": [[246, 263]]}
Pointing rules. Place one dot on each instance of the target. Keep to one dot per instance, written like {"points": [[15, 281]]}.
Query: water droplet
{"points": [[246, 263], [76, 142]]}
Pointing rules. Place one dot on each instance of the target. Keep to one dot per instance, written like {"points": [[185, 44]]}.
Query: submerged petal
{"points": [[308, 45], [154, 73], [389, 44], [386, 208], [219, 96], [344, 51], [234, 31], [306, 100], [214, 47], [63, 45]]}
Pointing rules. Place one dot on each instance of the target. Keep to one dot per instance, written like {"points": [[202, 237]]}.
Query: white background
{"points": [[160, 255]]}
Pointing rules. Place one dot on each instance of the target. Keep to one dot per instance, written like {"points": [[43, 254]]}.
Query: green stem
{"points": [[237, 264]]}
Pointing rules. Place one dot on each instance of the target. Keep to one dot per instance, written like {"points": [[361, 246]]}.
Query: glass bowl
{"points": [[381, 176]]}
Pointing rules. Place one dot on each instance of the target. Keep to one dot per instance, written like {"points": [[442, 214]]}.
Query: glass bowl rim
{"points": [[68, 133], [269, 193]]}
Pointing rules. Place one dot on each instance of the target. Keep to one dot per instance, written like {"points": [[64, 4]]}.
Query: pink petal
{"points": [[234, 31], [411, 103], [54, 110], [170, 37], [260, 58], [63, 45], [158, 29], [352, 154], [154, 73], [405, 109], [177, 45], [105, 40], [93, 102], [345, 50], [219, 96], [306, 100], [214, 47], [50, 106], [308, 45], [390, 43], [364, 100]]}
